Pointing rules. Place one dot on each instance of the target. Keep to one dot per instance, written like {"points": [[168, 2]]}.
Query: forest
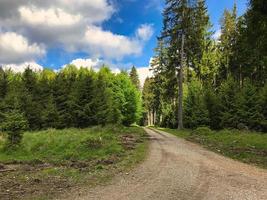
{"points": [[63, 132], [70, 98], [220, 82]]}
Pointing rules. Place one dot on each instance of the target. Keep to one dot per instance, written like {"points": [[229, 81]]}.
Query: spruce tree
{"points": [[249, 108], [196, 112], [135, 78], [228, 39]]}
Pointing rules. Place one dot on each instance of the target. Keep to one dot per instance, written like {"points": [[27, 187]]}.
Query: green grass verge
{"points": [[245, 146], [52, 161]]}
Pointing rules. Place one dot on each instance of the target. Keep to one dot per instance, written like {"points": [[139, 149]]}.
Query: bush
{"points": [[202, 131], [14, 124], [242, 126]]}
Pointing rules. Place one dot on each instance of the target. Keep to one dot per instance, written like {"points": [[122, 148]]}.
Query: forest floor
{"points": [[51, 162], [178, 169]]}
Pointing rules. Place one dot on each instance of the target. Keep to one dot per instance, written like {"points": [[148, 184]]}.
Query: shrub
{"points": [[202, 131], [14, 124]]}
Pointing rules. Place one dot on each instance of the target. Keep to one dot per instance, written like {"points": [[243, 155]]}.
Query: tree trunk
{"points": [[151, 118], [180, 85], [148, 118]]}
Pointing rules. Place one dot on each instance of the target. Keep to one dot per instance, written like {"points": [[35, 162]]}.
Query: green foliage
{"points": [[224, 77], [202, 131], [228, 94], [14, 124], [248, 107], [70, 98], [195, 111], [263, 104], [213, 105], [134, 77]]}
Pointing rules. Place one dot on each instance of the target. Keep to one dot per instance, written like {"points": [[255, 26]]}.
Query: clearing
{"points": [[48, 163]]}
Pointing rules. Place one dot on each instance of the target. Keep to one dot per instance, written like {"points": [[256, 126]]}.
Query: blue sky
{"points": [[118, 32]]}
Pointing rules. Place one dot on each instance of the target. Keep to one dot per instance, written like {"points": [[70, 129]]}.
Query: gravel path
{"points": [[180, 170]]}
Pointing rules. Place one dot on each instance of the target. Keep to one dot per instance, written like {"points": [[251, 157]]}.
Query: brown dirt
{"points": [[180, 170]]}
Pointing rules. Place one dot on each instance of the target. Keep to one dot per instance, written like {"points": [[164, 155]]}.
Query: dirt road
{"points": [[179, 170]]}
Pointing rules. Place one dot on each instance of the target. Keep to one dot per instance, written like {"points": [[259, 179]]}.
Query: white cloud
{"points": [[143, 73], [145, 32], [72, 25], [217, 35], [48, 17], [88, 63], [15, 48], [109, 45], [19, 68], [95, 11]]}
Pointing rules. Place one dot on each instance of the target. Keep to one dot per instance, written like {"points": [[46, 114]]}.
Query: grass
{"points": [[49, 162], [245, 146]]}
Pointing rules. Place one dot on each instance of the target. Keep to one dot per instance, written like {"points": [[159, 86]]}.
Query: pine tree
{"points": [[196, 112], [249, 108], [228, 95], [134, 77], [103, 102], [3, 84], [14, 124], [263, 104], [28, 98], [212, 104], [227, 41], [177, 34], [256, 30], [148, 96]]}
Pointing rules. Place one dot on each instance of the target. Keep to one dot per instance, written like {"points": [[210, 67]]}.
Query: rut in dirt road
{"points": [[180, 170]]}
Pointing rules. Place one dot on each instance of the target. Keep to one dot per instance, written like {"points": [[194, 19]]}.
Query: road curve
{"points": [[179, 170]]}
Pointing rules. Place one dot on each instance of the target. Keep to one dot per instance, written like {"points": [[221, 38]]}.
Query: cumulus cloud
{"points": [[20, 68], [88, 63], [145, 32], [96, 64], [30, 28], [49, 17], [109, 45], [15, 48]]}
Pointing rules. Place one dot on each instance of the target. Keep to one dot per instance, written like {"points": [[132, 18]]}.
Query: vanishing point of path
{"points": [[180, 170]]}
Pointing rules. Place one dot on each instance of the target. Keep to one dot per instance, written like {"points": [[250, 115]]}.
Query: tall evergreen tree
{"points": [[177, 33], [134, 77], [227, 41]]}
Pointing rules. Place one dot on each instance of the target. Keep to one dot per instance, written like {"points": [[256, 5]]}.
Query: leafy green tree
{"points": [[127, 98]]}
